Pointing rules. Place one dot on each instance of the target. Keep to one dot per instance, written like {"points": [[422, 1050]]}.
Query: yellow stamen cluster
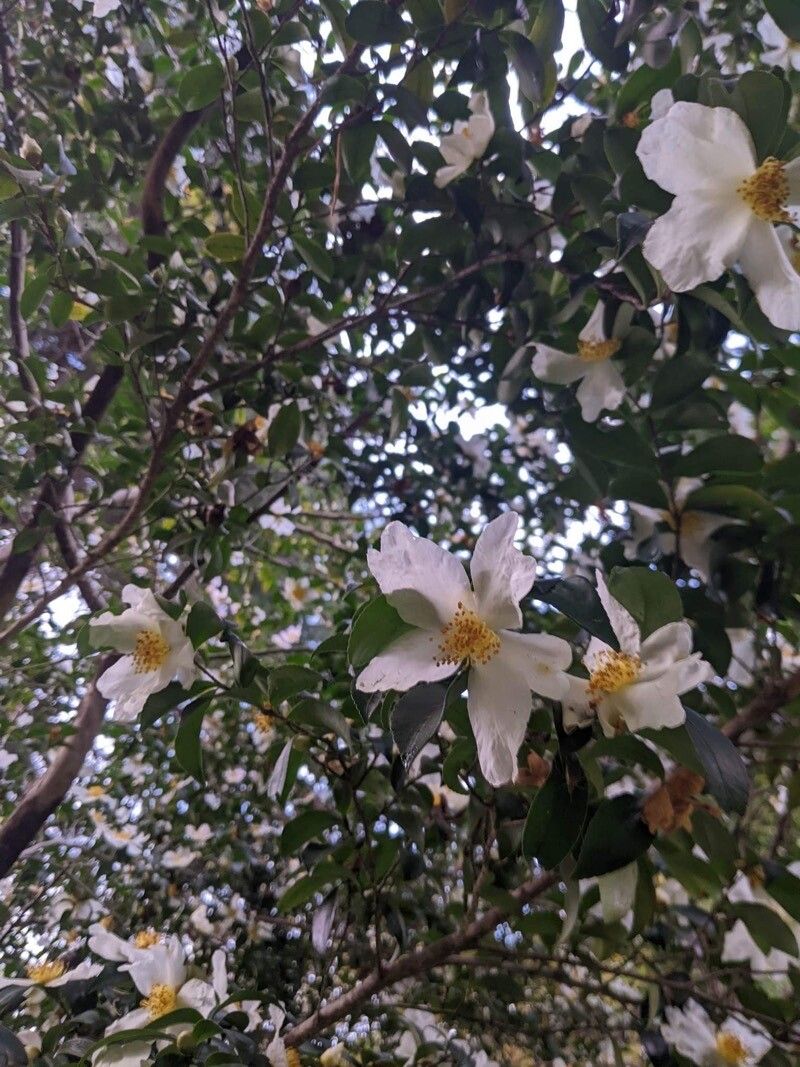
{"points": [[147, 938], [162, 1000], [95, 791], [292, 1057], [467, 638], [598, 351], [150, 652], [767, 191], [731, 1050], [263, 722], [612, 672], [42, 973]]}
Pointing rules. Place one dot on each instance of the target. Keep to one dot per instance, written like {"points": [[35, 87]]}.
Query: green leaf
{"points": [[304, 828], [762, 101], [158, 704], [614, 837], [767, 927], [321, 717], [555, 819], [201, 86], [33, 294], [628, 749], [548, 26], [226, 247], [60, 307], [202, 623], [649, 596], [374, 22], [318, 259], [577, 598], [287, 681], [528, 65], [188, 750], [416, 718], [723, 768], [284, 430], [623, 445], [375, 626], [679, 377], [12, 1051], [599, 31], [787, 14], [644, 82], [784, 887], [728, 452]]}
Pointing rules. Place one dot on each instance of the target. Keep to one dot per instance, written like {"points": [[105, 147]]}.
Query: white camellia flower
{"points": [[101, 8], [176, 859], [456, 623], [468, 141], [160, 976], [601, 385], [781, 51], [109, 946], [119, 836], [725, 209], [734, 1044], [199, 835], [740, 946], [6, 759], [297, 591], [50, 974], [640, 686], [443, 796], [690, 528], [156, 650]]}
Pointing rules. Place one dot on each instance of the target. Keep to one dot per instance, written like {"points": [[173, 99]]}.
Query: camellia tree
{"points": [[400, 532]]}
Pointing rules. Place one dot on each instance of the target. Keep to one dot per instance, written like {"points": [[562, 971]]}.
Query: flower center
{"points": [[42, 973], [731, 1050], [467, 637], [146, 938], [162, 1000], [150, 652], [292, 1057], [598, 351], [263, 722], [767, 191], [95, 791], [613, 671]]}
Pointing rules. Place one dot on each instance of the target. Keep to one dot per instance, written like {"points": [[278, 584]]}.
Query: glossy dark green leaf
{"points": [[284, 430], [577, 598], [416, 718], [202, 623], [375, 22], [201, 85], [615, 836], [767, 927], [304, 828], [724, 769], [649, 596], [188, 749], [555, 820]]}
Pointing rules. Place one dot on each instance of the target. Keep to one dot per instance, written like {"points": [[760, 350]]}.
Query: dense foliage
{"points": [[276, 780]]}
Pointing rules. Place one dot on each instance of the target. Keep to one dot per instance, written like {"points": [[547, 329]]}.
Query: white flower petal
{"points": [[499, 705], [700, 236], [667, 644], [694, 147], [690, 1031], [540, 659], [560, 368], [602, 389], [771, 276], [644, 705], [622, 622], [408, 660], [119, 631], [593, 330], [576, 705], [422, 581], [501, 574], [198, 995], [445, 175], [129, 689]]}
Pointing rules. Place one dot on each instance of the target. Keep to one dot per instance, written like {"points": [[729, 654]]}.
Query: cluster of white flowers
{"points": [[461, 624]]}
